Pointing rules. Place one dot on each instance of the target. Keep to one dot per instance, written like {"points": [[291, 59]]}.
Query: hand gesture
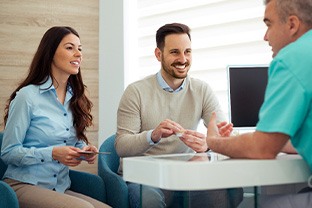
{"points": [[225, 129], [213, 128], [165, 129], [195, 140]]}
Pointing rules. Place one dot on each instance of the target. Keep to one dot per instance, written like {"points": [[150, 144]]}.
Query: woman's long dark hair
{"points": [[40, 70]]}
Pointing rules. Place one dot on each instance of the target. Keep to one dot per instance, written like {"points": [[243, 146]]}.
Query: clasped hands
{"points": [[193, 139]]}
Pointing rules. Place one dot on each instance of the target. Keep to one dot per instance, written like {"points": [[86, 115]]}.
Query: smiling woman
{"points": [[67, 57], [66, 62], [23, 24], [45, 122]]}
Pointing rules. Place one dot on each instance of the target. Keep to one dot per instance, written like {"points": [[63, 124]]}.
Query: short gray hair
{"points": [[300, 8]]}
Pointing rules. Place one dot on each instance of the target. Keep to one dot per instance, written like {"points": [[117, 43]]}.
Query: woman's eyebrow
{"points": [[72, 44]]}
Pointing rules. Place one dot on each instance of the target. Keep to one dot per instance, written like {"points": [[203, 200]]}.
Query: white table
{"points": [[177, 172]]}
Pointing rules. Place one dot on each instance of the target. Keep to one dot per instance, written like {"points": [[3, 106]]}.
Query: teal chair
{"points": [[117, 189], [8, 197], [82, 182]]}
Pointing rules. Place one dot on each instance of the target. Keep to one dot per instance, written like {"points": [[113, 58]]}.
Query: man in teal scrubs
{"points": [[286, 114]]}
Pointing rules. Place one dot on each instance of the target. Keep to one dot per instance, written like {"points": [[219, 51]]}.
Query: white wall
{"points": [[111, 64]]}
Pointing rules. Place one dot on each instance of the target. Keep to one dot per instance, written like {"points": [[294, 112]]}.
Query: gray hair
{"points": [[300, 8]]}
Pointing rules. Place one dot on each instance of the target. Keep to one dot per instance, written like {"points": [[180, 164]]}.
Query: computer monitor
{"points": [[246, 88]]}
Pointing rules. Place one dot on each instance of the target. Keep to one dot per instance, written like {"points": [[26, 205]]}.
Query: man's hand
{"points": [[225, 129], [195, 140], [165, 129], [213, 129]]}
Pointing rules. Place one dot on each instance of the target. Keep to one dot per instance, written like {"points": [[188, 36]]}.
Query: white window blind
{"points": [[224, 32]]}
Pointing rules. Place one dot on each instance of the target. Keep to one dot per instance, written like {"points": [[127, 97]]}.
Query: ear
{"points": [[158, 54], [294, 25]]}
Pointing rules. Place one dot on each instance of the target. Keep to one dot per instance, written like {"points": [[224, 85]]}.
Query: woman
{"points": [[45, 122]]}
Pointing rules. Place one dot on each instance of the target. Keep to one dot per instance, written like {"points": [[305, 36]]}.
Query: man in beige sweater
{"points": [[156, 113]]}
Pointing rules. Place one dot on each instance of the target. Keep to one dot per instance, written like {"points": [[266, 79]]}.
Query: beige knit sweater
{"points": [[145, 104]]}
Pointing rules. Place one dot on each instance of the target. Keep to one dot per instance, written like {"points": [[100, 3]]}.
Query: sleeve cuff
{"points": [[149, 137]]}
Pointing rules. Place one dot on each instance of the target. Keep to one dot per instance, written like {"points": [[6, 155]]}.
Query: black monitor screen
{"points": [[246, 94]]}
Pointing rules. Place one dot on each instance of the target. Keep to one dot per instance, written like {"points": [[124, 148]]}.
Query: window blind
{"points": [[224, 32]]}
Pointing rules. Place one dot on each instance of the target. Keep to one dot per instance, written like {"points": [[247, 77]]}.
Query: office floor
{"points": [[249, 199]]}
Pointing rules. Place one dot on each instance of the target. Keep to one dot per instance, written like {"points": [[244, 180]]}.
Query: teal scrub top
{"points": [[287, 106]]}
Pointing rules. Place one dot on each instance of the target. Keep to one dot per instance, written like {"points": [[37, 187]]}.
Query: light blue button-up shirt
{"points": [[165, 86], [38, 122]]}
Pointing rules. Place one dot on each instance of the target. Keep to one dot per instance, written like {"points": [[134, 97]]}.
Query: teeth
{"points": [[74, 62], [180, 66]]}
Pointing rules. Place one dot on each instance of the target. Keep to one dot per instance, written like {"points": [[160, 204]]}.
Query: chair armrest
{"points": [[87, 184], [8, 197], [117, 193]]}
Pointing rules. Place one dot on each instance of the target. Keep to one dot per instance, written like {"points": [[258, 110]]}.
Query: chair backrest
{"points": [[116, 187], [112, 160], [3, 166]]}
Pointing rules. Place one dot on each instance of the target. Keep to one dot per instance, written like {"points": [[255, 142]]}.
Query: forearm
{"points": [[230, 146], [249, 145], [131, 144], [20, 156]]}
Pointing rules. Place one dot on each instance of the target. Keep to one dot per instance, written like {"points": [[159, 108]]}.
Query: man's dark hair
{"points": [[173, 28]]}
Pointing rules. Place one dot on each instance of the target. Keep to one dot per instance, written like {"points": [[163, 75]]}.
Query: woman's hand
{"points": [[91, 157], [66, 155], [71, 156]]}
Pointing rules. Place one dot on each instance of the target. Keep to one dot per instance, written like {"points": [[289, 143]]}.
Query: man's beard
{"points": [[172, 72]]}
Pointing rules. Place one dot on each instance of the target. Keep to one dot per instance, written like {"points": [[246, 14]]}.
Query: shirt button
{"points": [[64, 141], [54, 175], [67, 129], [53, 189], [42, 160], [65, 114]]}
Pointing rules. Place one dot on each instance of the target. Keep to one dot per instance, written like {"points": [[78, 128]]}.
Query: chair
{"points": [[8, 197], [81, 182], [117, 189], [88, 184]]}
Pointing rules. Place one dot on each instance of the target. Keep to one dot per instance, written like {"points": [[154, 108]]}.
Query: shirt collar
{"points": [[165, 86], [48, 85]]}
